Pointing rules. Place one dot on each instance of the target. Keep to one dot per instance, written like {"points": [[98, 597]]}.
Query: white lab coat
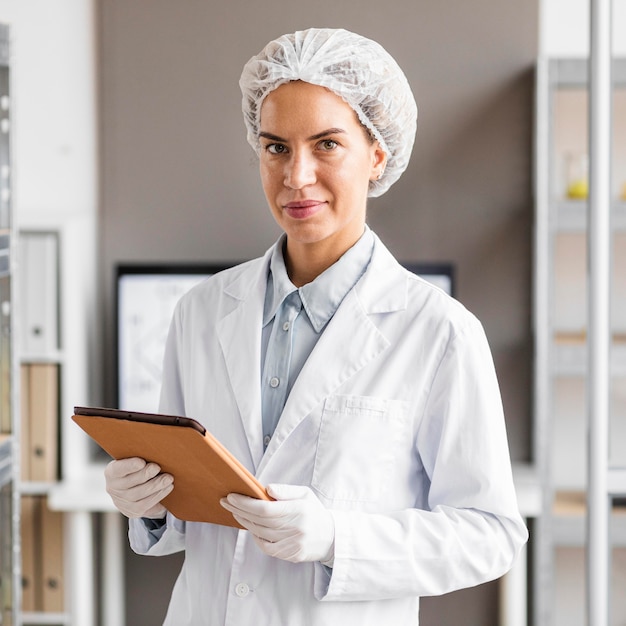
{"points": [[395, 422]]}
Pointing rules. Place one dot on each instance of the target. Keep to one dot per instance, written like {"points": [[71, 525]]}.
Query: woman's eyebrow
{"points": [[271, 137], [324, 133]]}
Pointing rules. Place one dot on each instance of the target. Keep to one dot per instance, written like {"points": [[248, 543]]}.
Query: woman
{"points": [[362, 396]]}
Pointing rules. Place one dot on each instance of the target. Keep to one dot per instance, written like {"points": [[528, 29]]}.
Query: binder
{"points": [[28, 525], [52, 580], [25, 422], [43, 427], [42, 556], [204, 470], [39, 292]]}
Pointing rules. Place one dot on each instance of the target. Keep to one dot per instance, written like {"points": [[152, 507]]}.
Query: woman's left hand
{"points": [[295, 527]]}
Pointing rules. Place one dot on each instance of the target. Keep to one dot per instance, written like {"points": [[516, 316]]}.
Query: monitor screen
{"points": [[146, 297]]}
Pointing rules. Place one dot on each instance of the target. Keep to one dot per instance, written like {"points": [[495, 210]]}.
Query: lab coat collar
{"points": [[278, 284], [385, 288], [377, 296], [321, 297]]}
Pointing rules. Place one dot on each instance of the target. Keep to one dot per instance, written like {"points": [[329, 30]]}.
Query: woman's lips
{"points": [[302, 209]]}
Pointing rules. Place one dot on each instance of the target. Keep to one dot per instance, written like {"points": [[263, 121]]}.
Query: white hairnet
{"points": [[357, 69]]}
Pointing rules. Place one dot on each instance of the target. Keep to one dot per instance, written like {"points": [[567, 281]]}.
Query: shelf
{"points": [[570, 523], [35, 488], [617, 482], [570, 355], [44, 619], [87, 494], [53, 357], [6, 457], [571, 216], [573, 72]]}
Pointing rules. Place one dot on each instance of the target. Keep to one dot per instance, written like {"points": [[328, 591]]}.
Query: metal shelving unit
{"points": [[9, 427], [562, 333]]}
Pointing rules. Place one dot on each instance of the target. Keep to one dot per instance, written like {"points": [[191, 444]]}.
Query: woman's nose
{"points": [[300, 171]]}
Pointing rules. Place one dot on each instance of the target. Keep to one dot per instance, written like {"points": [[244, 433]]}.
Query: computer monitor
{"points": [[146, 297]]}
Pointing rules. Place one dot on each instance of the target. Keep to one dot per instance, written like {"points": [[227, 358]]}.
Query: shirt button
{"points": [[242, 590], [286, 326], [274, 382], [266, 440]]}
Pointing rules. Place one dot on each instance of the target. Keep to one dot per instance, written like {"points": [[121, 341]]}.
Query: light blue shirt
{"points": [[293, 321]]}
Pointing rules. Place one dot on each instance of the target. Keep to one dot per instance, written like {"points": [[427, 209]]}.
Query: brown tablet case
{"points": [[204, 470]]}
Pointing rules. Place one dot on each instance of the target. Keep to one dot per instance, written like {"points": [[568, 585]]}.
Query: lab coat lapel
{"points": [[350, 342], [239, 335], [347, 345]]}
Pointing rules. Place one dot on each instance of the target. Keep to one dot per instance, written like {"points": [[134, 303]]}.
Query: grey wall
{"points": [[179, 181]]}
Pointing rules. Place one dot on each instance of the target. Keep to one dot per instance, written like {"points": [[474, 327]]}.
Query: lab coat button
{"points": [[274, 382], [242, 590]]}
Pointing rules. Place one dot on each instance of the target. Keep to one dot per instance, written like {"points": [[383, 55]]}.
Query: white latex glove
{"points": [[137, 488], [295, 527]]}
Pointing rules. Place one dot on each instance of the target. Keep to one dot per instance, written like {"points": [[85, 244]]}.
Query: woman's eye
{"points": [[276, 148], [328, 144]]}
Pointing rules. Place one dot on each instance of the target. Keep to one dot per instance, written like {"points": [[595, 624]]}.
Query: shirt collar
{"points": [[320, 298]]}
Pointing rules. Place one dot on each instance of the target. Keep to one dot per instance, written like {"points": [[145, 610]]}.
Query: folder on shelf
{"points": [[25, 422], [42, 556], [204, 470], [42, 420], [29, 542], [52, 588], [38, 266]]}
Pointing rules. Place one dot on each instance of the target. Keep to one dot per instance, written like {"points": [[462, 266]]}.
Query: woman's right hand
{"points": [[137, 487]]}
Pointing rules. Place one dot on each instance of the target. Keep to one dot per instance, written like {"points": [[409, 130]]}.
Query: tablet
{"points": [[204, 470]]}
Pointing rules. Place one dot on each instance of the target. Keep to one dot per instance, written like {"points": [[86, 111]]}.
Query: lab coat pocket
{"points": [[358, 439]]}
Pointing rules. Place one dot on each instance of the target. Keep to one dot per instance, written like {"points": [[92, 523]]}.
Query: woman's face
{"points": [[316, 163]]}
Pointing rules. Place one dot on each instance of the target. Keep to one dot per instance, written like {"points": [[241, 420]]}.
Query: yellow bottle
{"points": [[578, 189], [577, 176]]}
